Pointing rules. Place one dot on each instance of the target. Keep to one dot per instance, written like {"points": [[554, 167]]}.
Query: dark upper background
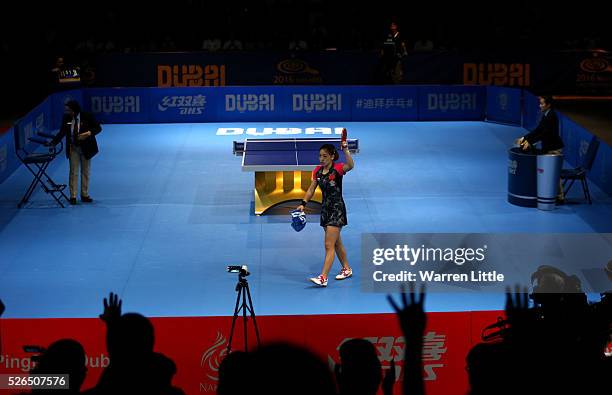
{"points": [[33, 34]]}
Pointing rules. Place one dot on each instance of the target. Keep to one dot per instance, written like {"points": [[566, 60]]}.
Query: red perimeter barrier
{"points": [[197, 344]]}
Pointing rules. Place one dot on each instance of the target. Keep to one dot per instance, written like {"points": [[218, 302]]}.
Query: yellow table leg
{"points": [[274, 187]]}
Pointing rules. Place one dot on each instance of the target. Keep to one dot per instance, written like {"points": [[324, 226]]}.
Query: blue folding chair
{"points": [[37, 164], [579, 173]]}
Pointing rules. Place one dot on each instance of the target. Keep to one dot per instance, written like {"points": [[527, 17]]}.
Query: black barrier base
{"points": [[523, 201]]}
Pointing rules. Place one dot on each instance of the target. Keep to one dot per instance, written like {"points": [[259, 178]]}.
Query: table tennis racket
{"points": [[344, 134]]}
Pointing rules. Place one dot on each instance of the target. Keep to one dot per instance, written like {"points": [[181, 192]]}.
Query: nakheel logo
{"points": [[210, 362]]}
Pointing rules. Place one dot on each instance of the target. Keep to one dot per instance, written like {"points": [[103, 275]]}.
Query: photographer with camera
{"points": [[556, 346], [62, 357]]}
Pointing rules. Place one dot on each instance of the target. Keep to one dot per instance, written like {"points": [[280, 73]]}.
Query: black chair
{"points": [[37, 164], [580, 172]]}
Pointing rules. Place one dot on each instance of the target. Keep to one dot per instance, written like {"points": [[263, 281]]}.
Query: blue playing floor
{"points": [[172, 209]]}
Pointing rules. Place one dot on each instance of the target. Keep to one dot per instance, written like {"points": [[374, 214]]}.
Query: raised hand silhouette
{"points": [[411, 315], [413, 321], [112, 309], [521, 318]]}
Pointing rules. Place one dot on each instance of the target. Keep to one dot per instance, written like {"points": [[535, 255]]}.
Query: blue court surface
{"points": [[173, 208]]}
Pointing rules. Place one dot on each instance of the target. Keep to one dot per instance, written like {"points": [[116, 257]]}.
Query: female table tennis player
{"points": [[328, 176]]}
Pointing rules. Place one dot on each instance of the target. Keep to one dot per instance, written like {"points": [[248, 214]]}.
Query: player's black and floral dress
{"points": [[333, 209]]}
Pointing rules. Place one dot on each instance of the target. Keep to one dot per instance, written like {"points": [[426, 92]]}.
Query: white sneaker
{"points": [[344, 273], [320, 280]]}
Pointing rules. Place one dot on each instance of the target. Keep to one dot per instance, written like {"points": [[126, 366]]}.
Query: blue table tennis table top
{"points": [[286, 154]]}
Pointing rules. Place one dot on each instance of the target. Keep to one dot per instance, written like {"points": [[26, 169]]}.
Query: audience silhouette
{"points": [[551, 341]]}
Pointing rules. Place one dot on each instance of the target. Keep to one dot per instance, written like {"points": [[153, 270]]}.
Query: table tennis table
{"points": [[283, 167]]}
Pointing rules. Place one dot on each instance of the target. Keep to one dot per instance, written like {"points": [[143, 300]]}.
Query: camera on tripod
{"points": [[244, 304], [242, 269]]}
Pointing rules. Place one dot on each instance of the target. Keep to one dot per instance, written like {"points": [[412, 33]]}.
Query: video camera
{"points": [[552, 287], [243, 270]]}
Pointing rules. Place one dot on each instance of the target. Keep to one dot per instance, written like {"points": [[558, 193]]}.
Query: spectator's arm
{"points": [[412, 321], [389, 379], [520, 317], [112, 309]]}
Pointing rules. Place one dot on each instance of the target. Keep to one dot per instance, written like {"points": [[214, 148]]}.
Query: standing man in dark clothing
{"points": [[80, 129], [393, 50]]}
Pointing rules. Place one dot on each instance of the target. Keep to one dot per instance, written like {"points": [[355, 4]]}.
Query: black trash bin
{"points": [[522, 178]]}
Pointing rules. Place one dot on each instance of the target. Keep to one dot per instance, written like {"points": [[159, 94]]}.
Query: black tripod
{"points": [[243, 290]]}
